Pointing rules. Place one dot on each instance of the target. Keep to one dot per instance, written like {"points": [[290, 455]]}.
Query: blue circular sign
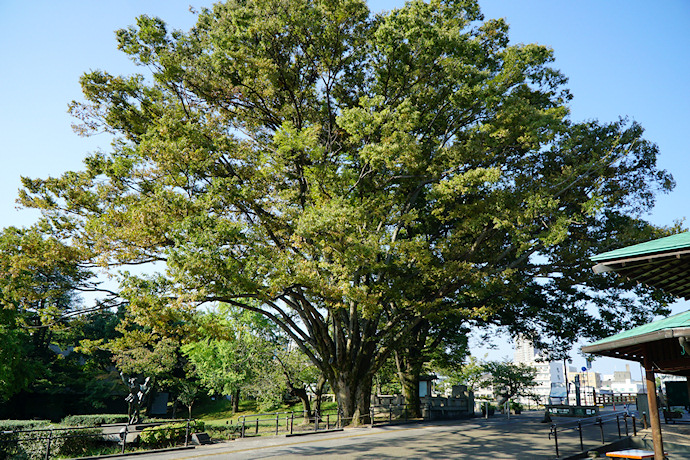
{"points": [[584, 369]]}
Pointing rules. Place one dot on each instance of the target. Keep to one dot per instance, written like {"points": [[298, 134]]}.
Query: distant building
{"points": [[621, 382], [549, 373]]}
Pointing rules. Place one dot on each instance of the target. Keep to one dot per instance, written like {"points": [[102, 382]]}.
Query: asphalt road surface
{"points": [[520, 437]]}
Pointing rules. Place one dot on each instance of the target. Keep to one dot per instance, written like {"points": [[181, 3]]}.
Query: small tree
{"points": [[509, 380], [188, 393]]}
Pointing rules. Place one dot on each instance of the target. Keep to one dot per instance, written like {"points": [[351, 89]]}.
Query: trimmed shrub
{"points": [[78, 443], [14, 425], [93, 419], [169, 434]]}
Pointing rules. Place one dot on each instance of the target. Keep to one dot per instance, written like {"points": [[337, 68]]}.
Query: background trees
{"points": [[509, 380], [357, 180]]}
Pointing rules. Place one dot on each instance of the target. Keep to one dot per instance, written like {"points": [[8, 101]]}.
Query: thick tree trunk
{"points": [[353, 392], [236, 402], [409, 369], [409, 362]]}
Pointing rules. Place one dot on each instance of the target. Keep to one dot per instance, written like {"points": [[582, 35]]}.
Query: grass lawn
{"points": [[219, 411]]}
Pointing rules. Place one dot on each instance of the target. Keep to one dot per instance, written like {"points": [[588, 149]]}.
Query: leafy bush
{"points": [[78, 443], [93, 419], [222, 431], [13, 425], [19, 441], [169, 434], [27, 445]]}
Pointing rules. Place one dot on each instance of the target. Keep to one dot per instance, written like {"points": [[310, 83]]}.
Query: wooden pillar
{"points": [[653, 408]]}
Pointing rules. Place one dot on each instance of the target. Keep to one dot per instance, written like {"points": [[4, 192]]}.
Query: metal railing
{"points": [[599, 421], [287, 422], [50, 441]]}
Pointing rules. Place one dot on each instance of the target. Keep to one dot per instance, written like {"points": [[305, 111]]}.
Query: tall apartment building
{"points": [[549, 373]]}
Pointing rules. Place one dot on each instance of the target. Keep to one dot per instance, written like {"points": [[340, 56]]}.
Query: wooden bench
{"points": [[632, 453]]}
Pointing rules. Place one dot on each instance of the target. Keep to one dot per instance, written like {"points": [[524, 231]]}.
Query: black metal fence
{"points": [[604, 428], [289, 423], [47, 443]]}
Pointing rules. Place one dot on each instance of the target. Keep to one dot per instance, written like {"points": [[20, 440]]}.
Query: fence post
{"points": [[625, 420], [276, 423], [371, 417], [618, 423], [186, 435], [243, 427], [124, 439], [292, 419], [644, 420], [634, 426], [316, 421], [257, 426], [579, 428], [555, 438], [50, 438], [390, 414], [328, 421], [601, 428]]}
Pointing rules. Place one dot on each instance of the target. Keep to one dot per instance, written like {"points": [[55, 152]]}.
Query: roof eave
{"points": [[636, 340]]}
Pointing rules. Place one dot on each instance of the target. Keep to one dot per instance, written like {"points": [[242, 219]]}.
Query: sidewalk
{"points": [[520, 437]]}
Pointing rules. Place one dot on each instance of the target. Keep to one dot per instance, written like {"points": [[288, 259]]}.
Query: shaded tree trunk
{"points": [[319, 393], [409, 370], [236, 401], [409, 361], [353, 392], [301, 393]]}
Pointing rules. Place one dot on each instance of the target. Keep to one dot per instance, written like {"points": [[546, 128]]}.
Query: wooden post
{"points": [[653, 408]]}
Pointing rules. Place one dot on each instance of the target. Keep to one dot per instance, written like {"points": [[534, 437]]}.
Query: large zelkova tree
{"points": [[351, 176]]}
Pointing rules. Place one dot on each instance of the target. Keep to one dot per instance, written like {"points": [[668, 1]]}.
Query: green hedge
{"points": [[169, 434], [93, 419], [18, 442], [14, 425]]}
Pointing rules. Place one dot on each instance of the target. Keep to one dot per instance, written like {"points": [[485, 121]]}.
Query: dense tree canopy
{"points": [[355, 178]]}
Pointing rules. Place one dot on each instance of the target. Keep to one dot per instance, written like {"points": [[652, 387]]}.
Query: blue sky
{"points": [[623, 58]]}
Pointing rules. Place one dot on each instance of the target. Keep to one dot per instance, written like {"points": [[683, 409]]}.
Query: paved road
{"points": [[520, 437]]}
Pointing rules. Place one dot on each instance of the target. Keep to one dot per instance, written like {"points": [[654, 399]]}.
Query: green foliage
{"points": [[350, 177], [12, 425], [470, 374], [243, 361], [169, 434], [78, 443], [510, 380], [93, 419], [38, 277], [187, 395]]}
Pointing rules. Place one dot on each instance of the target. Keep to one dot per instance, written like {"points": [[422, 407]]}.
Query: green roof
{"points": [[680, 320], [669, 243]]}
